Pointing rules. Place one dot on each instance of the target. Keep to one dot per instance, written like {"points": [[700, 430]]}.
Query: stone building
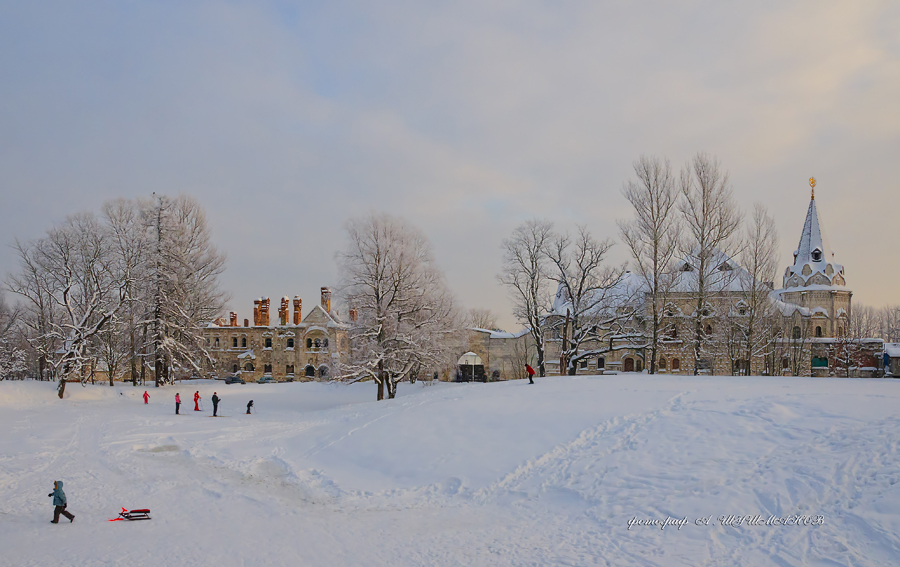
{"points": [[810, 316], [296, 348]]}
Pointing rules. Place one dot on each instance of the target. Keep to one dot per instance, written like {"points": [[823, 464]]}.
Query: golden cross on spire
{"points": [[812, 184]]}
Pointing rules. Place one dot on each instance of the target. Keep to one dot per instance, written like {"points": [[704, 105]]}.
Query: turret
{"points": [[326, 299]]}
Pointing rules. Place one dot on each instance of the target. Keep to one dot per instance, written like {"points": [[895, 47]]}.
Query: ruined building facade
{"points": [[293, 348]]}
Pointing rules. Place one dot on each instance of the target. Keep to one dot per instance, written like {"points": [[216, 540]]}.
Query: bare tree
{"points": [[406, 318], [482, 318], [711, 219], [758, 317], [652, 236], [12, 358], [586, 289], [526, 274]]}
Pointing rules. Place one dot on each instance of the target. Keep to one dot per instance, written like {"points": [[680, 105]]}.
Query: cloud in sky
{"points": [[285, 119]]}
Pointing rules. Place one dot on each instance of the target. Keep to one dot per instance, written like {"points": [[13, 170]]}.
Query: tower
{"points": [[815, 283]]}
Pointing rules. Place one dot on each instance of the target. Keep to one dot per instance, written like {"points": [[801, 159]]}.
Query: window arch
{"points": [[289, 369], [310, 371], [819, 332], [795, 334], [324, 371], [325, 342], [243, 342], [290, 343], [308, 343], [268, 342], [662, 363], [234, 342], [267, 368], [248, 367], [676, 364], [601, 363], [817, 255], [235, 369]]}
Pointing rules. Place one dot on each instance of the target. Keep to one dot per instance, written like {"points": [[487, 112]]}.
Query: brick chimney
{"points": [[264, 312], [353, 315], [246, 322], [284, 309], [326, 299], [256, 303], [298, 303], [232, 319]]}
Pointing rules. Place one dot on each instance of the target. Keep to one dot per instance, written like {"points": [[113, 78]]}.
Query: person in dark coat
{"points": [[215, 401], [530, 371], [59, 500], [249, 405]]}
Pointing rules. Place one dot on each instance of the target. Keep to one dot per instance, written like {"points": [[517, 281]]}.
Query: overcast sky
{"points": [[286, 118]]}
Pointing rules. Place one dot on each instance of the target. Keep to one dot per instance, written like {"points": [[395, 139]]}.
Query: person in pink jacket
{"points": [[177, 403], [146, 397]]}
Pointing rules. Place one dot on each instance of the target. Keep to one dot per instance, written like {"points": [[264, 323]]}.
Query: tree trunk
{"points": [[62, 387], [380, 380]]}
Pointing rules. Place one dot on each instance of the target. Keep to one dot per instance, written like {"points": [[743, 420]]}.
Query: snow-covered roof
{"points": [[723, 274], [494, 334], [814, 260], [892, 349], [247, 354], [627, 290]]}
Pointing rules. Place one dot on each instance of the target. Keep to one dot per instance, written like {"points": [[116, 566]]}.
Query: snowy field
{"points": [[457, 474]]}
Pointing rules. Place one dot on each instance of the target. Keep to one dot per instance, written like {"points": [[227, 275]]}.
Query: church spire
{"points": [[813, 255]]}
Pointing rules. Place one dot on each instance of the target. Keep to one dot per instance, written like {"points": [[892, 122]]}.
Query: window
{"points": [[709, 330], [819, 362], [310, 371], [325, 343], [217, 342], [629, 365], [817, 255], [676, 364], [323, 371], [290, 343], [725, 267], [234, 342], [243, 342], [819, 332], [796, 333], [673, 332], [742, 311], [584, 363], [318, 343], [308, 343], [268, 342], [234, 368], [289, 369], [601, 362], [248, 367], [267, 368], [662, 363], [687, 268]]}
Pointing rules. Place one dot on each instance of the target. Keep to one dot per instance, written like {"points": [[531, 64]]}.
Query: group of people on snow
{"points": [[215, 400]]}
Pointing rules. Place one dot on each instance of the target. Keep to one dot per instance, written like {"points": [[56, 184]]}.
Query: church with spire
{"points": [[816, 306]]}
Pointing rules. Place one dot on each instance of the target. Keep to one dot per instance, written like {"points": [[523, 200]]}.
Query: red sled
{"points": [[142, 514]]}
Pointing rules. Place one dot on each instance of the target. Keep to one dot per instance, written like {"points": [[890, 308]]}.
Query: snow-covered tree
{"points": [[406, 321], [526, 274], [652, 237], [12, 358], [711, 219], [182, 290], [588, 291]]}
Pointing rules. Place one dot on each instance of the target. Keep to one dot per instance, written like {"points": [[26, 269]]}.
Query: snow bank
{"points": [[456, 474]]}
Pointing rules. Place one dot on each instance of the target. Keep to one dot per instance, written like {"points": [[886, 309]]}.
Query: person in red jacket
{"points": [[197, 400], [530, 371], [177, 403], [146, 397]]}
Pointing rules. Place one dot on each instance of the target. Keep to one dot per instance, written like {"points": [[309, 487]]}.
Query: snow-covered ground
{"points": [[456, 474]]}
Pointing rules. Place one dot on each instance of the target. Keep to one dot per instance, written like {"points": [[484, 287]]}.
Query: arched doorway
{"points": [[324, 372], [470, 367], [629, 364], [310, 371]]}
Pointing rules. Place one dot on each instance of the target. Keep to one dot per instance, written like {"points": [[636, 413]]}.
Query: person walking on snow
{"points": [[215, 400], [177, 402], [146, 397], [530, 371], [197, 400], [59, 500], [249, 405]]}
